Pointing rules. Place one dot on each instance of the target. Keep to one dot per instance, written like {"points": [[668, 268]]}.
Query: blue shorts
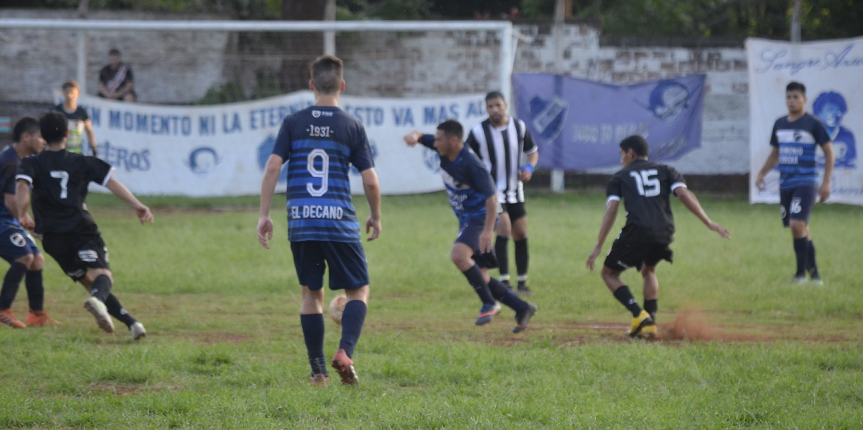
{"points": [[469, 235], [347, 263], [15, 243], [796, 203]]}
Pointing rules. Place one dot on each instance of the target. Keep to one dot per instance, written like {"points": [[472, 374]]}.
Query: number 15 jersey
{"points": [[320, 143], [645, 188], [60, 180]]}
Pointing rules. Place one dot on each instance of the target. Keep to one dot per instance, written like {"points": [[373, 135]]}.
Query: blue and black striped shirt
{"points": [[796, 141], [320, 143]]}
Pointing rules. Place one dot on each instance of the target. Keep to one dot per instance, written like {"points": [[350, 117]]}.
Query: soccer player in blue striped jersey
{"points": [[473, 197], [320, 144], [794, 139]]}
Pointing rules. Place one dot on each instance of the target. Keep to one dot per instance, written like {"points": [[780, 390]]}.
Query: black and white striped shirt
{"points": [[500, 150]]}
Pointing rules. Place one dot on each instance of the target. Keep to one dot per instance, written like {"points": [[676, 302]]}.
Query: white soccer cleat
{"points": [[137, 331], [98, 309]]}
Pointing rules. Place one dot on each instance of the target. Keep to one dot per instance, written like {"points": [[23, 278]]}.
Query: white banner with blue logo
{"points": [[578, 124], [221, 150], [832, 72]]}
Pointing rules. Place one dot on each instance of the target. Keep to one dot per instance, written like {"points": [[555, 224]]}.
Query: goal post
{"points": [[504, 30]]}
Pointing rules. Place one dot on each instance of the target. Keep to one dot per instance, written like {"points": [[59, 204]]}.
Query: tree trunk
{"points": [[300, 48]]}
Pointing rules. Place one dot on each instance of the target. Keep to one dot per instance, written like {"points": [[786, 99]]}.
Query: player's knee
{"points": [[648, 271], [26, 260], [361, 294], [92, 274], [799, 228], [38, 262]]}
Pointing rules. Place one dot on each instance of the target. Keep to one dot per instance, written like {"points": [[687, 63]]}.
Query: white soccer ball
{"points": [[337, 307]]}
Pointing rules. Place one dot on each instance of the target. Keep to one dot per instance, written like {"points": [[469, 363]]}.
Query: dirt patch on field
{"points": [[694, 325], [116, 389]]}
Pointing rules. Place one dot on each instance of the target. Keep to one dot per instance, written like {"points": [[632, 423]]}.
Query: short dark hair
{"points": [[27, 124], [326, 74], [796, 86], [494, 95], [637, 144], [54, 126], [114, 51], [451, 128], [71, 83]]}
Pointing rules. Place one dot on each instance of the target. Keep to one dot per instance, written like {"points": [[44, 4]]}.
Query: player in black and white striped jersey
{"points": [[500, 142]]}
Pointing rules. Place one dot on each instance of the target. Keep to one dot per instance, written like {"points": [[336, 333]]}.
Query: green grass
{"points": [[224, 347]]}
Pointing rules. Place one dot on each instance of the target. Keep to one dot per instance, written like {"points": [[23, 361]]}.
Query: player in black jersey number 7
{"points": [[69, 234], [645, 188]]}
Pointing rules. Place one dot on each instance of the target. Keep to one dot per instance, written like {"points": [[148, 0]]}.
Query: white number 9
{"points": [[318, 173]]}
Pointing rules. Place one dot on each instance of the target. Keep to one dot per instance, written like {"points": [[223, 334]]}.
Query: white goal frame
{"points": [[504, 29]]}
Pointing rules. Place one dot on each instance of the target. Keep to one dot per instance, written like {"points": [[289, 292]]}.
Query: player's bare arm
{"points": [[91, 135], [120, 190], [770, 164], [373, 194], [607, 223], [691, 202], [268, 187], [526, 171], [829, 161], [486, 238], [22, 199]]}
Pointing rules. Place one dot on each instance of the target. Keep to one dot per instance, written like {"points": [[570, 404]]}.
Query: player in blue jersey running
{"points": [[16, 245], [794, 139], [320, 143], [473, 197]]}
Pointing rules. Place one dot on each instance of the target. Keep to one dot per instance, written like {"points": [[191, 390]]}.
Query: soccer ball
{"points": [[337, 306]]}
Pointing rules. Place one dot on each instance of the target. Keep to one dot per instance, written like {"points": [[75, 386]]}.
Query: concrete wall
{"points": [[177, 67]]}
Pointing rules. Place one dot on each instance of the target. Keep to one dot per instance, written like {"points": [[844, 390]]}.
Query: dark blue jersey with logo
{"points": [[9, 162], [320, 143], [796, 141], [468, 183]]}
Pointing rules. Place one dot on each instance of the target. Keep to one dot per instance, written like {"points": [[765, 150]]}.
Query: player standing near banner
{"points": [[645, 188], [16, 245], [499, 142], [79, 120], [473, 198], [320, 143], [793, 140], [69, 233]]}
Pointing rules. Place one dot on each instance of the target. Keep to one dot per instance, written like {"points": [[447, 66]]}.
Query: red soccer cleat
{"points": [[345, 366]]}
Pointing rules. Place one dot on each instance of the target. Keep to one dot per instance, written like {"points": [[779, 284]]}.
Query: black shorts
{"points": [[515, 211], [76, 252], [796, 203], [469, 235], [346, 260], [625, 254]]}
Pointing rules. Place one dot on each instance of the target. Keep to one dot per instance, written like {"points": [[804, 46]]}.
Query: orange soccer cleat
{"points": [[39, 319], [7, 318]]}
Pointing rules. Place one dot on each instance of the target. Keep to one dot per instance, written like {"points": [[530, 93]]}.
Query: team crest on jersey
{"points": [[18, 240], [316, 113], [548, 116]]}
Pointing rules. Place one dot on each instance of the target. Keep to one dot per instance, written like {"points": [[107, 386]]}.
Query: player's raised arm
{"points": [[120, 190], [691, 202], [607, 223], [268, 188]]}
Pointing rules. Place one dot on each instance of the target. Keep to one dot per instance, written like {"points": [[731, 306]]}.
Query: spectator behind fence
{"points": [[116, 81]]}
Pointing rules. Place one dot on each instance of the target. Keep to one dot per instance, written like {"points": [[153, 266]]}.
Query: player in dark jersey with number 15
{"points": [[69, 234], [645, 188]]}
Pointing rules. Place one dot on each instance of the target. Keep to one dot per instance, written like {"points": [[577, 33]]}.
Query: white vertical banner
{"points": [[832, 72], [221, 150]]}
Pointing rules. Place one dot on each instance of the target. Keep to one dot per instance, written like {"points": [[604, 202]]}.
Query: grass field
{"points": [[224, 347]]}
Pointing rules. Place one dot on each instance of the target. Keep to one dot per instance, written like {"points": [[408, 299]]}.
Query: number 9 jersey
{"points": [[319, 144], [645, 188], [59, 180]]}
